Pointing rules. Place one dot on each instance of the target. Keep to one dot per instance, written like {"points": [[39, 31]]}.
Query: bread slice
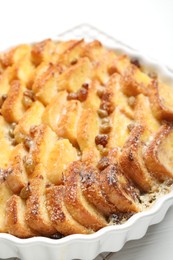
{"points": [[119, 64], [161, 100], [15, 54], [119, 129], [144, 116], [92, 101], [44, 140], [90, 184], [59, 215], [71, 53], [135, 81], [95, 51], [52, 112], [5, 79], [118, 190], [158, 154], [24, 70], [131, 159], [114, 97], [5, 142], [61, 155], [45, 82], [132, 163], [90, 156], [13, 108], [17, 177], [36, 214], [5, 194], [15, 218], [68, 121], [80, 209], [31, 118], [87, 129], [42, 51], [73, 78]]}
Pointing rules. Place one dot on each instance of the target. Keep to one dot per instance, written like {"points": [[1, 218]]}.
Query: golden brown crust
{"points": [[15, 218], [90, 183], [161, 100], [53, 111], [13, 108], [36, 213], [159, 164], [15, 54], [45, 82], [31, 118], [87, 128], [131, 160], [41, 51], [16, 173], [59, 215], [43, 141], [62, 154], [68, 121], [79, 208], [5, 194], [73, 78], [118, 190]]}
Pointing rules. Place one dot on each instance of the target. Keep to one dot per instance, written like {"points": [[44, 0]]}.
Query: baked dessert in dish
{"points": [[86, 138]]}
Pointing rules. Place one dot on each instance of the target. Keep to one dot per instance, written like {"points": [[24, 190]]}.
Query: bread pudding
{"points": [[86, 138]]}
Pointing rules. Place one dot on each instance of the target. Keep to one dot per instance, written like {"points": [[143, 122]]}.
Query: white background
{"points": [[146, 25]]}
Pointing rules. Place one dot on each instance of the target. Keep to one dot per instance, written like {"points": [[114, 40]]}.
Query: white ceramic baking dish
{"points": [[108, 239]]}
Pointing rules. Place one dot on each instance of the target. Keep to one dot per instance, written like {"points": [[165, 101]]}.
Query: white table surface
{"points": [[146, 25]]}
